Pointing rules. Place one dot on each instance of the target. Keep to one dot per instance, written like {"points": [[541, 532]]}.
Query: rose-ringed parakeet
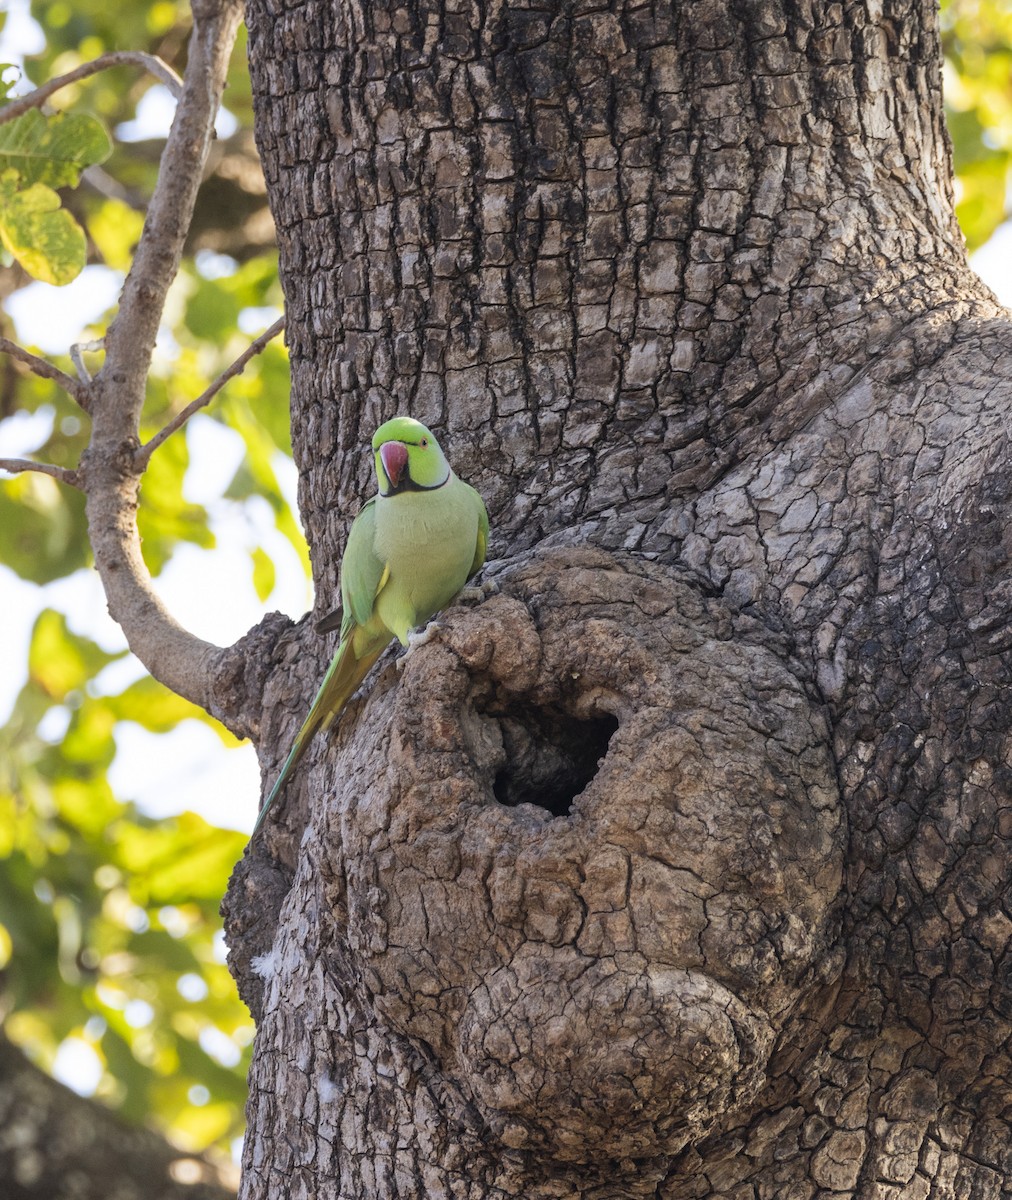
{"points": [[410, 551]]}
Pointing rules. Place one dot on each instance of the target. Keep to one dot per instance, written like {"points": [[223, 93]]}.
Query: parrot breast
{"points": [[427, 541]]}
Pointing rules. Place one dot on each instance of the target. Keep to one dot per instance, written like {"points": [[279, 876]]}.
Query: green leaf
{"points": [[976, 36], [60, 661], [41, 235], [115, 228], [263, 573], [151, 705], [165, 516], [11, 69], [981, 207], [211, 311], [53, 150], [43, 532]]}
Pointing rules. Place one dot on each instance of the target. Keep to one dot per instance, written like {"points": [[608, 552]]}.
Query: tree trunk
{"points": [[678, 868]]}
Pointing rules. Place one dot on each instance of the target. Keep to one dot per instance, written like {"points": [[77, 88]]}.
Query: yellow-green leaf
{"points": [[41, 235], [60, 661], [53, 149], [263, 573]]}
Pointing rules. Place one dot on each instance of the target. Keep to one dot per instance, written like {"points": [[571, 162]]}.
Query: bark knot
{"points": [[586, 815]]}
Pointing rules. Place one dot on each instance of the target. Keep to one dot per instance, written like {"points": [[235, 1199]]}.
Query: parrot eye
{"points": [[425, 441]]}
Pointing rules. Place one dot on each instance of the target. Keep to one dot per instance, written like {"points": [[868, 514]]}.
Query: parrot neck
{"points": [[407, 484]]}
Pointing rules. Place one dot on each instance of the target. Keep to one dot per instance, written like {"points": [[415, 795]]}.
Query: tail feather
{"points": [[346, 671]]}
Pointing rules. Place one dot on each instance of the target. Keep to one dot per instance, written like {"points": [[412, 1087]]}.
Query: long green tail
{"points": [[345, 673]]}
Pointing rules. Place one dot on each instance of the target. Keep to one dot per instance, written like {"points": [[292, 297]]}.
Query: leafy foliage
{"points": [[977, 42], [110, 918], [110, 942], [44, 237], [52, 149], [37, 154]]}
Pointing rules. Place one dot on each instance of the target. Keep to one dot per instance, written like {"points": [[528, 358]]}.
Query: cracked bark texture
{"points": [[680, 867]]}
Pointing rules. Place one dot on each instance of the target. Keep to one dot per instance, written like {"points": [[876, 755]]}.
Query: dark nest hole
{"points": [[551, 756]]}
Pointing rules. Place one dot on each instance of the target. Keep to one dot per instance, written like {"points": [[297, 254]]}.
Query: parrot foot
{"points": [[416, 638]]}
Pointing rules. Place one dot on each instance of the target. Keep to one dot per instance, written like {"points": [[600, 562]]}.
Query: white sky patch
{"points": [[215, 455], [214, 266], [20, 36], [54, 724], [78, 1066], [191, 987], [219, 1046], [254, 320], [136, 918], [54, 318], [23, 433], [993, 263], [152, 117], [138, 1014], [225, 123], [186, 768], [95, 1027], [155, 112], [117, 676], [173, 922]]}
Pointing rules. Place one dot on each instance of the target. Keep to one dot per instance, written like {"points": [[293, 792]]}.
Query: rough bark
{"points": [[680, 867], [54, 1145]]}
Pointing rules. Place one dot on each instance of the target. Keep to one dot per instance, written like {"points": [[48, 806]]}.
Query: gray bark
{"points": [[678, 868]]}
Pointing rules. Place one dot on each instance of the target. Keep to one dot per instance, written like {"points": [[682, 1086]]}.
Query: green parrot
{"points": [[410, 550]]}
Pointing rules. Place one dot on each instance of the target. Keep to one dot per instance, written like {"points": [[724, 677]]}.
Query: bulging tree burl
{"points": [[679, 866]]}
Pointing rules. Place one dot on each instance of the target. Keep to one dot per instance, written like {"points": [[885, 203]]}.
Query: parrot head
{"points": [[408, 458]]}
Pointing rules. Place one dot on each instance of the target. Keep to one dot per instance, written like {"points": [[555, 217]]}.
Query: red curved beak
{"points": [[394, 456]]}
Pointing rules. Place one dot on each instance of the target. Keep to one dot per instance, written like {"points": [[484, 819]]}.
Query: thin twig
{"points": [[16, 465], [143, 455], [114, 58], [39, 366], [77, 356]]}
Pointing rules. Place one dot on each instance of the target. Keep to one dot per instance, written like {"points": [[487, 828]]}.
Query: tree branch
{"points": [[114, 58], [17, 465], [111, 474], [67, 1145], [77, 351], [39, 366], [143, 455]]}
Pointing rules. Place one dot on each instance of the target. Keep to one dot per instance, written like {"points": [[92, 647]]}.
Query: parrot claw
{"points": [[416, 638]]}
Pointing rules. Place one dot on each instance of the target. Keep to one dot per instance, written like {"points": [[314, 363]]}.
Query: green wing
{"points": [[361, 570], [481, 545]]}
